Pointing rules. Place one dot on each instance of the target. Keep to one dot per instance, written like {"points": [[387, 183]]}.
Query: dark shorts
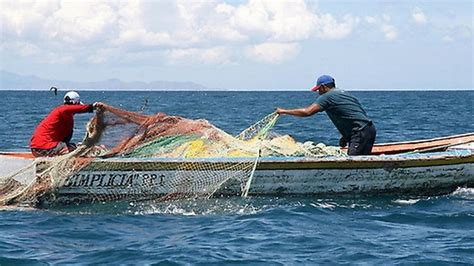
{"points": [[58, 150], [362, 141]]}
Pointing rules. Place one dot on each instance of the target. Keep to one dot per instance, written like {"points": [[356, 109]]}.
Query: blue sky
{"points": [[258, 45]]}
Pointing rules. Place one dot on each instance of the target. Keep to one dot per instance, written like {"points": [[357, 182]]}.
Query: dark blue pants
{"points": [[362, 141]]}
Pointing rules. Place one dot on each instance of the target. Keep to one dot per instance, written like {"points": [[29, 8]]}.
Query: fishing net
{"points": [[133, 156]]}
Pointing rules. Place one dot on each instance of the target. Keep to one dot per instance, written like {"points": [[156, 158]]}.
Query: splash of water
{"points": [[463, 192], [406, 201]]}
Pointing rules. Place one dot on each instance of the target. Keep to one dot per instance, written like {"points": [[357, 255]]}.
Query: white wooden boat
{"points": [[425, 172]]}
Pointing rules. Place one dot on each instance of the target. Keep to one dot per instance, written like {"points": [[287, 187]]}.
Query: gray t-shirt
{"points": [[344, 110]]}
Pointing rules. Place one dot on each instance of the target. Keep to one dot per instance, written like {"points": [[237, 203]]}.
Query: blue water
{"points": [[257, 230]]}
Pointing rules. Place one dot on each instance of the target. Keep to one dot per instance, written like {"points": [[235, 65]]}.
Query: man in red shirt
{"points": [[53, 135]]}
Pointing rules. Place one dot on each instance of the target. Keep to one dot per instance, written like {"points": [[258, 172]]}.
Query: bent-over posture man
{"points": [[345, 112], [53, 134]]}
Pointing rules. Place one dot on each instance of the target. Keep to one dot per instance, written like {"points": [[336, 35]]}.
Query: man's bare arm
{"points": [[302, 112]]}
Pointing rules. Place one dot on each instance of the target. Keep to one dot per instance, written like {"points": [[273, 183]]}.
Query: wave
{"points": [[463, 192], [406, 202]]}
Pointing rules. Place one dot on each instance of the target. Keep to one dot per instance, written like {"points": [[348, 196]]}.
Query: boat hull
{"points": [[131, 178], [430, 174]]}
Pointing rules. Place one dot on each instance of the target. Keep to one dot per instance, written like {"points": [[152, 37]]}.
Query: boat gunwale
{"points": [[425, 140], [349, 162]]}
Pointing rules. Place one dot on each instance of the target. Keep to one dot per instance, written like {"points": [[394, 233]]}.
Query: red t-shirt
{"points": [[57, 126]]}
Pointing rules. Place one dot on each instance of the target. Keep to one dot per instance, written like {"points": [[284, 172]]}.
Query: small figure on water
{"points": [[55, 90]]}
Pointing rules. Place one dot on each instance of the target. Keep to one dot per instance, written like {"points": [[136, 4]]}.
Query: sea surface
{"points": [[256, 230]]}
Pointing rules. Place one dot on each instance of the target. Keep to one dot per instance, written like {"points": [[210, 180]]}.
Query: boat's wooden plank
{"points": [[400, 147], [23, 155]]}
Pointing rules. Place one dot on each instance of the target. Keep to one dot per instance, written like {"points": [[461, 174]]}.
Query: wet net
{"points": [[133, 156]]}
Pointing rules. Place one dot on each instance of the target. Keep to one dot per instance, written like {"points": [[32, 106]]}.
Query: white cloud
{"points": [[101, 56], [158, 24], [457, 32], [219, 25], [383, 24], [69, 21], [207, 31], [275, 20], [57, 58], [23, 49], [418, 16], [447, 38], [329, 29], [214, 55], [289, 21], [22, 18], [272, 52], [27, 49], [391, 32], [386, 17], [370, 19], [76, 22]]}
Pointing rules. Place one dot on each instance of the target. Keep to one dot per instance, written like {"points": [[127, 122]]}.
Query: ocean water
{"points": [[256, 230]]}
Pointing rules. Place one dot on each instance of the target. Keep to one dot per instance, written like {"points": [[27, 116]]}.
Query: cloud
{"points": [[386, 17], [214, 55], [153, 24], [391, 32], [54, 20], [330, 29], [370, 19], [22, 49], [447, 38], [76, 22], [458, 32], [418, 16], [101, 56], [383, 23], [275, 20], [211, 31], [24, 18], [57, 58], [272, 52]]}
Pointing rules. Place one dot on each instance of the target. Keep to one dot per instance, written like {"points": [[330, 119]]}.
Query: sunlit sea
{"points": [[256, 230]]}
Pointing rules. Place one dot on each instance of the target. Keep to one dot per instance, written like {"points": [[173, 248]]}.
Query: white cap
{"points": [[72, 97]]}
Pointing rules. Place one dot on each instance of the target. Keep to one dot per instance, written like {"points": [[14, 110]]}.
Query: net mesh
{"points": [[133, 156]]}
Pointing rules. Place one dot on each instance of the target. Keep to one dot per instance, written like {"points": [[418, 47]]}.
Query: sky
{"points": [[248, 45]]}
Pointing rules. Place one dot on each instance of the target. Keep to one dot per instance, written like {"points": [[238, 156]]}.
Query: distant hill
{"points": [[12, 81]]}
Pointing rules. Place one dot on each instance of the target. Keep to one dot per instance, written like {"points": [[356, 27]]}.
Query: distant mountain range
{"points": [[12, 81]]}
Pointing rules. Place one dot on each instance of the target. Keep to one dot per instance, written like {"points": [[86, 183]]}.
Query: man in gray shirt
{"points": [[345, 112]]}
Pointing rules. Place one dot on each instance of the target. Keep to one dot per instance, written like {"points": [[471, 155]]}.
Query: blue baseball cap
{"points": [[323, 80]]}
